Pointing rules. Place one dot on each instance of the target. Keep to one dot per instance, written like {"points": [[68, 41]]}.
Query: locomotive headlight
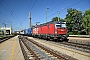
{"points": [[55, 31], [62, 30]]}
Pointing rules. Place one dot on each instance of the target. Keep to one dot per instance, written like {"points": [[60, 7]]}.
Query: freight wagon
{"points": [[28, 31]]}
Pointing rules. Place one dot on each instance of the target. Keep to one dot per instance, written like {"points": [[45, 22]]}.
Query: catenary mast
{"points": [[30, 19]]}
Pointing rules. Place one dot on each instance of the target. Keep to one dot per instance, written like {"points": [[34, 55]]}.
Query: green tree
{"points": [[56, 19], [69, 19], [86, 21], [77, 21], [73, 20]]}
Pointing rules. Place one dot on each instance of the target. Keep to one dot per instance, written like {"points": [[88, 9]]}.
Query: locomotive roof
{"points": [[51, 22]]}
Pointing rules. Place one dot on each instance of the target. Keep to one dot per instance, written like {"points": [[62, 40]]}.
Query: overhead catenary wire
{"points": [[8, 7], [30, 4], [9, 11], [57, 5], [33, 5], [2, 17], [30, 8], [54, 7], [27, 10], [3, 20], [66, 8]]}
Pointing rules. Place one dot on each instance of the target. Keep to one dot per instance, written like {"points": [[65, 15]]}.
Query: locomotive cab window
{"points": [[60, 25], [64, 25]]}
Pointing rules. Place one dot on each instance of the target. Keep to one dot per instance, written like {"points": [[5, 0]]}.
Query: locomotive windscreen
{"points": [[60, 25]]}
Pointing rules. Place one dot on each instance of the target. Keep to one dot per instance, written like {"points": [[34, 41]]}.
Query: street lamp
{"points": [[47, 14]]}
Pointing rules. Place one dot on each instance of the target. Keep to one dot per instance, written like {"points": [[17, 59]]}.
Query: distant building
{"points": [[22, 32], [19, 32], [7, 30], [16, 32]]}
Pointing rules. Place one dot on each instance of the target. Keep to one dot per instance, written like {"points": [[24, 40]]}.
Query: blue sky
{"points": [[16, 11]]}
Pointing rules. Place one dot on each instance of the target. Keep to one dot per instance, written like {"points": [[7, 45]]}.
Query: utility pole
{"points": [[30, 19], [4, 28], [11, 28], [58, 16], [47, 14]]}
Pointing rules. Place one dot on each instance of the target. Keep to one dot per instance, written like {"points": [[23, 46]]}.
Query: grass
{"points": [[1, 36]]}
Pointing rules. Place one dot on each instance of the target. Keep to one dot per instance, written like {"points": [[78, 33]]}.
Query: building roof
{"points": [[7, 28]]}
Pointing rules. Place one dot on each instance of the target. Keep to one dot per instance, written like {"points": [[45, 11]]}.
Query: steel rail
{"points": [[48, 50], [30, 50]]}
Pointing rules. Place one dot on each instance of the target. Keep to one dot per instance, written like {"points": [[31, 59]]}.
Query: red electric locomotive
{"points": [[52, 30]]}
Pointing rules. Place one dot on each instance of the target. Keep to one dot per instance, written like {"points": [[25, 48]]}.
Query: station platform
{"points": [[10, 50], [81, 36]]}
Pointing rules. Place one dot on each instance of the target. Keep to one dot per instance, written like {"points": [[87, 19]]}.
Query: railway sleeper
{"points": [[43, 55], [29, 55], [51, 51]]}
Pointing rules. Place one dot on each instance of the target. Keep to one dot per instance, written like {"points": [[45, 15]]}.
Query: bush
{"points": [[79, 32], [71, 33]]}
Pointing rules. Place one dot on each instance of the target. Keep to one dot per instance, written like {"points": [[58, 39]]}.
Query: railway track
{"points": [[81, 47], [5, 38], [65, 49], [72, 45], [76, 46], [27, 52], [41, 52]]}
